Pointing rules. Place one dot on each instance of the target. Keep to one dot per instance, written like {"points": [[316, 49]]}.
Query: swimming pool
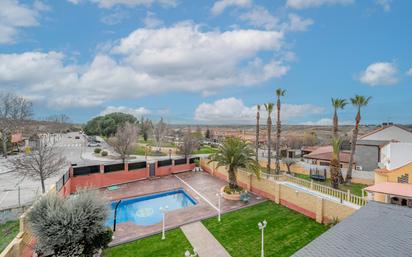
{"points": [[145, 210]]}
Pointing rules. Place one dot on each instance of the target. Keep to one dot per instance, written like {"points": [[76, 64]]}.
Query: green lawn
{"points": [[206, 150], [286, 231], [175, 245], [8, 231], [354, 188], [141, 151]]}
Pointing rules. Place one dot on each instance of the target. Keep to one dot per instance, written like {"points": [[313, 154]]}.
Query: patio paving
{"points": [[205, 185]]}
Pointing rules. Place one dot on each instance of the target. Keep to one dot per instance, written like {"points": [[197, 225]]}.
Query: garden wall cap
{"points": [[375, 230]]}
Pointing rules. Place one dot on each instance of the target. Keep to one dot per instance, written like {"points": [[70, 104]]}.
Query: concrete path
{"points": [[203, 241]]}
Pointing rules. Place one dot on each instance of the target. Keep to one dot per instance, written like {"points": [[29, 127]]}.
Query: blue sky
{"points": [[208, 62]]}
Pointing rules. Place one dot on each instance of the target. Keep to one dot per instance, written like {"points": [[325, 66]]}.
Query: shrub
{"points": [[97, 150], [104, 153], [72, 226]]}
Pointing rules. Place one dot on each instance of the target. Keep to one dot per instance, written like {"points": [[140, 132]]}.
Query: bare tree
{"points": [[124, 139], [13, 110], [288, 162], [41, 163], [159, 132], [189, 144]]}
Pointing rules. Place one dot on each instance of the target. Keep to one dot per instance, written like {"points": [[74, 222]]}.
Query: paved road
{"points": [[71, 148], [75, 150]]}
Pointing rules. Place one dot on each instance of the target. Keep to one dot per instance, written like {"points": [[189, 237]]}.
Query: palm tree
{"points": [[334, 162], [279, 92], [269, 109], [257, 131], [337, 103], [358, 101], [235, 153]]}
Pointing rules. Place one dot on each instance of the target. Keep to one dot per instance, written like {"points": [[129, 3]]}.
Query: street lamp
{"points": [[262, 226], [219, 195], [163, 210], [188, 254]]}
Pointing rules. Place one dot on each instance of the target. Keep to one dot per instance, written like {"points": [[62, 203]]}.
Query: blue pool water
{"points": [[145, 210]]}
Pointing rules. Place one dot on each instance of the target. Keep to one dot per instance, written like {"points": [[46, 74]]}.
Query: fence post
{"points": [[311, 184], [102, 168], [348, 196], [363, 194]]}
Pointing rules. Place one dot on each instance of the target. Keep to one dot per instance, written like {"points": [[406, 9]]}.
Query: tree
{"points": [[145, 126], [13, 110], [257, 131], [235, 153], [207, 134], [125, 139], [279, 92], [159, 132], [288, 162], [269, 109], [337, 103], [189, 144], [43, 162], [107, 125], [72, 226], [334, 162], [358, 101]]}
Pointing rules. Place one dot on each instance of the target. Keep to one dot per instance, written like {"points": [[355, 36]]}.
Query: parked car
{"points": [[93, 144], [76, 137]]}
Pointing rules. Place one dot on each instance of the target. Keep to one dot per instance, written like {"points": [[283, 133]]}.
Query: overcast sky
{"points": [[208, 61]]}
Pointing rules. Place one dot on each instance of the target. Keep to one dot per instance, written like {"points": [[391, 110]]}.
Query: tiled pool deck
{"points": [[205, 185]]}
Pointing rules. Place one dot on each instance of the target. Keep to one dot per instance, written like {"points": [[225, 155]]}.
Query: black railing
{"points": [[113, 167], [137, 165], [180, 161], [86, 170], [163, 163], [192, 160]]}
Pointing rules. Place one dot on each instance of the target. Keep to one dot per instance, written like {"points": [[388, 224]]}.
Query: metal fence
{"points": [[193, 159], [180, 161], [137, 165], [163, 163], [86, 170], [113, 167], [62, 181]]}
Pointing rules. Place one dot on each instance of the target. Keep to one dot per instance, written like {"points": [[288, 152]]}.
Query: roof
{"points": [[373, 142], [382, 128], [385, 170], [326, 153], [390, 188], [375, 230]]}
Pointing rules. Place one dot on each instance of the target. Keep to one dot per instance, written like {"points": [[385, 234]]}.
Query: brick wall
{"points": [[321, 210]]}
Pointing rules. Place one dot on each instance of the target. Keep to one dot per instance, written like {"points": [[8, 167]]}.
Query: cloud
{"points": [[219, 6], [260, 17], [115, 17], [326, 122], [409, 72], [234, 111], [380, 73], [302, 4], [151, 21], [128, 3], [137, 112], [147, 62], [15, 16], [385, 4]]}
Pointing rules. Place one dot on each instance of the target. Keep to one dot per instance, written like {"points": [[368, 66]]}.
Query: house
{"points": [[322, 155], [372, 148], [393, 185], [375, 230]]}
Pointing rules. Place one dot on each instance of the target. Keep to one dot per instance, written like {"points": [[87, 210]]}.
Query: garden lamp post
{"points": [[188, 254], [262, 226], [219, 195], [163, 210]]}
